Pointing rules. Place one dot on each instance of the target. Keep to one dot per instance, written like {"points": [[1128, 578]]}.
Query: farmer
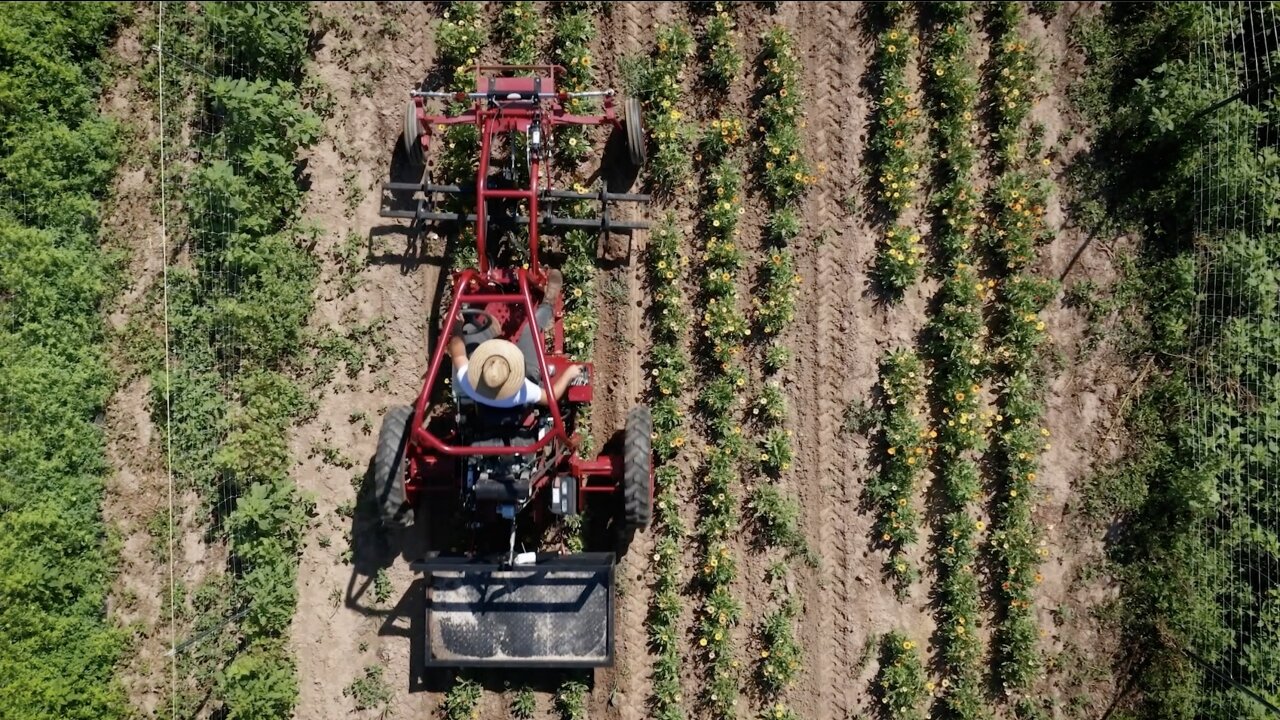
{"points": [[503, 374]]}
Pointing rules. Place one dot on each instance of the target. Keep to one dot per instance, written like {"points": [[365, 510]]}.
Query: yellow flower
{"points": [[980, 526], [577, 292]]}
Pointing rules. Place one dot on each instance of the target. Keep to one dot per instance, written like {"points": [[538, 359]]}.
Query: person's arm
{"points": [[457, 353], [561, 384]]}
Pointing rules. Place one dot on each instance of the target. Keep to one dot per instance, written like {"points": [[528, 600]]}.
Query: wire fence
{"points": [[238, 288], [1233, 445]]}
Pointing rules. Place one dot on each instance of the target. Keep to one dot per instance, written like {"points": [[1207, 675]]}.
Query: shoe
{"points": [[555, 281]]}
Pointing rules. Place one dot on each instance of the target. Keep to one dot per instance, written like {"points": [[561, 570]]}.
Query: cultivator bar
{"points": [[555, 612], [424, 197]]}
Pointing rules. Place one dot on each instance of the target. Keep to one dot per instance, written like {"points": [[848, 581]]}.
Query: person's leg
{"points": [[543, 314]]}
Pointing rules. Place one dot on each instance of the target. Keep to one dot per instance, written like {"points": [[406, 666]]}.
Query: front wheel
{"points": [[389, 468], [633, 123], [412, 134]]}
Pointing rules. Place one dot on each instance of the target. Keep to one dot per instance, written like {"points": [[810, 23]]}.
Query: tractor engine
{"points": [[502, 479]]}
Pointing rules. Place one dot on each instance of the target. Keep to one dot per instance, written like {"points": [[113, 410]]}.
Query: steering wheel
{"points": [[477, 317], [474, 324]]}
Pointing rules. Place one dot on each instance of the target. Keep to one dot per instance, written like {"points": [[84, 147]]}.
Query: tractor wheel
{"points": [[633, 120], [389, 468], [637, 470], [412, 134]]}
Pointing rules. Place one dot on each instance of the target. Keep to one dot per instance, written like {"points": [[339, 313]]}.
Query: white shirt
{"points": [[528, 394]]}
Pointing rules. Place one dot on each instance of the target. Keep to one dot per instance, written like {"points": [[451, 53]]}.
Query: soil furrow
{"points": [[620, 347], [828, 356]]}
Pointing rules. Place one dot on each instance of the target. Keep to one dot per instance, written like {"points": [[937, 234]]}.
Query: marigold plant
{"points": [[900, 682]]}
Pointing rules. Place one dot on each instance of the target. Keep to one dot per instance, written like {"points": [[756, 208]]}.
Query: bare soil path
{"points": [[621, 345], [369, 57], [1084, 402], [161, 554]]}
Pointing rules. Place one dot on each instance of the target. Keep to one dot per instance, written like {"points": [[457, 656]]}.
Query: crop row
{"points": [[572, 27], [669, 374], [672, 135], [900, 682], [238, 316], [907, 451], [1014, 83], [784, 174], [57, 156], [724, 329], [520, 28], [460, 36], [957, 356], [720, 405], [723, 57], [895, 163], [1017, 202]]}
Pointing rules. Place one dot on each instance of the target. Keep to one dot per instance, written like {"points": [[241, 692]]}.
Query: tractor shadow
{"points": [[416, 250]]}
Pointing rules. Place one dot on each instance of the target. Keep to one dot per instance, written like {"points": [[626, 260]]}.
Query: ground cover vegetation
{"points": [[238, 315], [57, 158], [1188, 493]]}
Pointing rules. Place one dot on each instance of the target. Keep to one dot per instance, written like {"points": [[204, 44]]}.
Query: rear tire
{"points": [[389, 468], [633, 122], [637, 470], [412, 134]]}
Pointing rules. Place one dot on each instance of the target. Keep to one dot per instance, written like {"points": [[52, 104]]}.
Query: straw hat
{"points": [[496, 369]]}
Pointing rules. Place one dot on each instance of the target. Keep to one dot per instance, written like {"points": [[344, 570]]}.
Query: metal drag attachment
{"points": [[557, 612]]}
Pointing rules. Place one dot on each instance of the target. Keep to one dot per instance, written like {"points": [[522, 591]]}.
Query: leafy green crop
{"points": [[57, 156], [238, 316], [1193, 494]]}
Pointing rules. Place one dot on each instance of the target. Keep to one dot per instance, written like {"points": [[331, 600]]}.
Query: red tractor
{"points": [[496, 468]]}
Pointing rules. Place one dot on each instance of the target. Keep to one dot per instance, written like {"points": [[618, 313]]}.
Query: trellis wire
{"points": [[1231, 560]]}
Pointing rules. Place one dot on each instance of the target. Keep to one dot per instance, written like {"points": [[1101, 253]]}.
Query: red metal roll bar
{"points": [[465, 285]]}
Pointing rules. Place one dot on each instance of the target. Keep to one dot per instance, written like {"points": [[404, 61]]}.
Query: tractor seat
{"points": [[508, 426]]}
